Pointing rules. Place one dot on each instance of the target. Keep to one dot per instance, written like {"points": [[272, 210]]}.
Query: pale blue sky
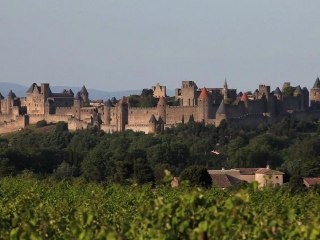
{"points": [[120, 45]]}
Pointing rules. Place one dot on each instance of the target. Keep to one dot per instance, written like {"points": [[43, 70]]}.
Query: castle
{"points": [[207, 105]]}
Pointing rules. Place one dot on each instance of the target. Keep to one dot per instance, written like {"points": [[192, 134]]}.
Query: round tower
{"points": [[278, 94], [221, 113], [152, 124], [1, 98], [85, 96], [315, 94], [244, 99], [77, 104], [10, 101], [107, 112], [161, 107], [203, 105], [123, 114]]}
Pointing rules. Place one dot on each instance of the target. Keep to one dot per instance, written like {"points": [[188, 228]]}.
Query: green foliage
{"points": [[146, 99], [31, 208], [41, 123], [197, 176], [288, 91]]}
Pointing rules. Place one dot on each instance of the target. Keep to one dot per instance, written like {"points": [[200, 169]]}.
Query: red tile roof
{"points": [[247, 171], [220, 180], [204, 93], [244, 97], [312, 180]]}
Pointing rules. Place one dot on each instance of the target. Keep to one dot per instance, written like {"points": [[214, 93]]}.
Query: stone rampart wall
{"points": [[175, 114], [18, 124]]}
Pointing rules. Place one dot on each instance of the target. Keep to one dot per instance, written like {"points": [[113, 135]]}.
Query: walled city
{"points": [[208, 105]]}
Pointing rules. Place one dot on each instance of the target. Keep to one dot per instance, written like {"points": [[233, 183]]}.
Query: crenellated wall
{"points": [[64, 111], [76, 124], [12, 126], [140, 115], [176, 114]]}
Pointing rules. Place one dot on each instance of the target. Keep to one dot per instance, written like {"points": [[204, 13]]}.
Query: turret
{"points": [[297, 91], [221, 113], [85, 96], [1, 98], [244, 99], [77, 105], [107, 112], [278, 94], [203, 105], [152, 124], [315, 95], [123, 113], [161, 107], [10, 101]]}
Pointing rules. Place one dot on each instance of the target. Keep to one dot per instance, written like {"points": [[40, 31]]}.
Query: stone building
{"points": [[263, 176], [207, 105]]}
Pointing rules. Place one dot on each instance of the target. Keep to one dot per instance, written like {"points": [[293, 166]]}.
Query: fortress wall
{"points": [[19, 123], [291, 103], [249, 120], [140, 115], [6, 118], [108, 129], [257, 106], [64, 110], [54, 118], [76, 124], [138, 128], [4, 108], [86, 113], [113, 116], [175, 114], [234, 111], [314, 114], [34, 118]]}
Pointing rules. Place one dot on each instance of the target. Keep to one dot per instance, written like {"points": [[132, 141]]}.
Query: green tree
{"points": [[196, 175]]}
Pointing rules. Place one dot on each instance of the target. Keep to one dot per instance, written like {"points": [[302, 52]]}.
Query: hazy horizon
{"points": [[124, 45]]}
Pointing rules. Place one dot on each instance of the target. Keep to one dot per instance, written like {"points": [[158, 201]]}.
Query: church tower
{"points": [[225, 90]]}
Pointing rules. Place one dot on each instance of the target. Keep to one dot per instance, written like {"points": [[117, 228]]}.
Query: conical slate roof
{"points": [[70, 92], [203, 94], [298, 90], [83, 90], [11, 94], [1, 96], [160, 120], [244, 97], [152, 119], [316, 83], [108, 103], [222, 108], [277, 91], [78, 96]]}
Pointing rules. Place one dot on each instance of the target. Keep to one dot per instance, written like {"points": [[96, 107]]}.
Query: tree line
{"points": [[291, 146]]}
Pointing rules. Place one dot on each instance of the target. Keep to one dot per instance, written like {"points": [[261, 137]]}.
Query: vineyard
{"points": [[48, 209]]}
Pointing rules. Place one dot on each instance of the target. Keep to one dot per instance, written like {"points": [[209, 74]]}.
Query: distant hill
{"points": [[20, 91]]}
